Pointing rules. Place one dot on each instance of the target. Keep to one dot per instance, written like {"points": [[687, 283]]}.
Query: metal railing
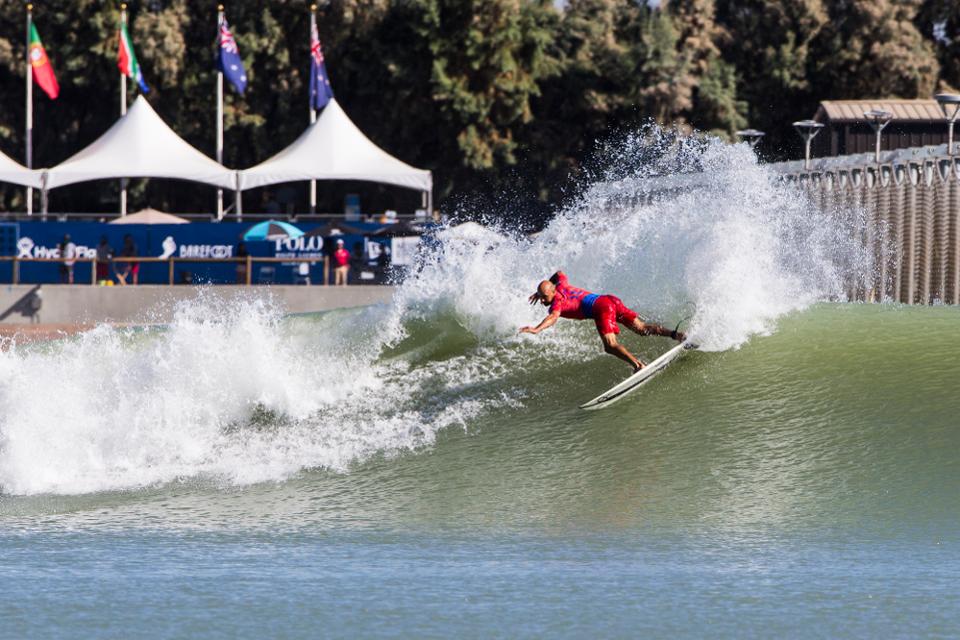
{"points": [[79, 216], [246, 262]]}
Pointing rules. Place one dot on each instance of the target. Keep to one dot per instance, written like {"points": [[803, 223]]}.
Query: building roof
{"points": [[902, 110]]}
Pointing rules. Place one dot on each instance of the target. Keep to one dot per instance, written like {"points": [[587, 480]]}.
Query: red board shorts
{"points": [[608, 311]]}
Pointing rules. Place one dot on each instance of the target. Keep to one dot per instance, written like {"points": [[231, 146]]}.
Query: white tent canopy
{"points": [[333, 148], [14, 172], [150, 216], [140, 145]]}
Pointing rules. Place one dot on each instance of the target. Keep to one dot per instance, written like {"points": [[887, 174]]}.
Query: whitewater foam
{"points": [[740, 247], [235, 393]]}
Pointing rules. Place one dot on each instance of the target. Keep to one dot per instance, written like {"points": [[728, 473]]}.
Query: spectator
{"points": [[341, 264], [104, 256], [68, 252], [125, 269], [242, 253]]}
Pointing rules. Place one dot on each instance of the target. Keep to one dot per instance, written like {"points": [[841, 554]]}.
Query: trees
{"points": [[873, 48], [939, 23], [493, 95], [770, 46]]}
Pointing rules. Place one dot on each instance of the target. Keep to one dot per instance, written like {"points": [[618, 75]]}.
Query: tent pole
{"points": [[219, 114], [28, 137], [44, 202], [238, 203]]}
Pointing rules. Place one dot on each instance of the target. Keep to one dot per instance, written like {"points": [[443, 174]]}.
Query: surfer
{"points": [[606, 311]]}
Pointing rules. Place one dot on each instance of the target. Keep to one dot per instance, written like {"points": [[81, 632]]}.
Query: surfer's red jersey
{"points": [[606, 311], [569, 300], [580, 304]]}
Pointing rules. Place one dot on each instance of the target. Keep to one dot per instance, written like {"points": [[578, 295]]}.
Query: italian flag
{"points": [[40, 64], [127, 59]]}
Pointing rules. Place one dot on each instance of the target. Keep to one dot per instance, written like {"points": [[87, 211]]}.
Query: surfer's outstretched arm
{"points": [[546, 323]]}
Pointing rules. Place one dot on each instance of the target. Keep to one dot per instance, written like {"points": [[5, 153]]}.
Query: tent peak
{"points": [[334, 148]]}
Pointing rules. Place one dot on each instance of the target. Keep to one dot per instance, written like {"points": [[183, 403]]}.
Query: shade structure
{"points": [[335, 229], [333, 148], [139, 145], [15, 173], [150, 216], [397, 230], [272, 230]]}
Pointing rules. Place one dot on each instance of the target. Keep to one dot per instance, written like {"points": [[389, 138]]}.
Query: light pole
{"points": [[808, 130], [950, 105], [752, 136], [878, 121]]}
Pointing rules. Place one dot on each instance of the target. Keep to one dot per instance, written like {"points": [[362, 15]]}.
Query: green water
{"points": [[805, 485]]}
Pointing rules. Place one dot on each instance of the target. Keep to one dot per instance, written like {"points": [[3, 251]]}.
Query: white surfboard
{"points": [[638, 379]]}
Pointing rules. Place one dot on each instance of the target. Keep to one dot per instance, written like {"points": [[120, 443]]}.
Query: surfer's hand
{"points": [[529, 330]]}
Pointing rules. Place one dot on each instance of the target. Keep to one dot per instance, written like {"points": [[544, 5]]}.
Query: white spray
{"points": [[235, 393]]}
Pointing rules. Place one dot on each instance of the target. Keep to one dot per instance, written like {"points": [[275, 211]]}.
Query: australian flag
{"points": [[320, 89], [229, 60]]}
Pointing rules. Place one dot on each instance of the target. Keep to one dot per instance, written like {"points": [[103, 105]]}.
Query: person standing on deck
{"points": [[341, 262], [104, 256], [68, 253]]}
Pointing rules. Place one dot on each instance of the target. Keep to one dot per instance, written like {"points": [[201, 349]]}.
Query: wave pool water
{"points": [[418, 469]]}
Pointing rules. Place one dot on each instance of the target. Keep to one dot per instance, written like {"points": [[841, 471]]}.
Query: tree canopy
{"points": [[494, 96]]}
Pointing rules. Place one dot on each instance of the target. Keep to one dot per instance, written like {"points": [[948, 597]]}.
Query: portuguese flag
{"points": [[127, 59], [42, 69]]}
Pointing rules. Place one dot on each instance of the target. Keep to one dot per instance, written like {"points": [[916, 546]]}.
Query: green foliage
{"points": [[873, 48], [502, 96], [487, 58], [719, 109], [770, 47], [939, 23]]}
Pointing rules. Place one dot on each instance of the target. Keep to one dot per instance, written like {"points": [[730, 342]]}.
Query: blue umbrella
{"points": [[272, 230]]}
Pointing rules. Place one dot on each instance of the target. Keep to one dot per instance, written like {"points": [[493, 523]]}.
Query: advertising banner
{"points": [[183, 242]]}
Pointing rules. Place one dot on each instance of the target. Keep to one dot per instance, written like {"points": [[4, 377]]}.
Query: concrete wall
{"points": [[65, 304]]}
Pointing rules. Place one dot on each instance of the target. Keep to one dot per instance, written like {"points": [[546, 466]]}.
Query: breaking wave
{"points": [[237, 393]]}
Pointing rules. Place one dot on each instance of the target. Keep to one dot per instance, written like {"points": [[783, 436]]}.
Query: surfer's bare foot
{"points": [[679, 336]]}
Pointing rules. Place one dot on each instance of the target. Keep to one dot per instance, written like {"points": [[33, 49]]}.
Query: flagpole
{"points": [[219, 111], [238, 198], [28, 137], [123, 112], [313, 112]]}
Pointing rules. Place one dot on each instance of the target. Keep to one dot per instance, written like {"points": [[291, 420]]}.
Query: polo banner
{"points": [[160, 243]]}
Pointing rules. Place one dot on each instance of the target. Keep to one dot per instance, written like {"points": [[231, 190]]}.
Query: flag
{"points": [[320, 90], [42, 69], [127, 60], [229, 60]]}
